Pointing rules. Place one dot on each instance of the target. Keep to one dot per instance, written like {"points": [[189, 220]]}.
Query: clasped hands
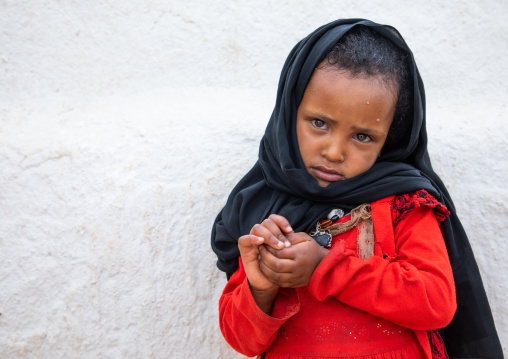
{"points": [[274, 256]]}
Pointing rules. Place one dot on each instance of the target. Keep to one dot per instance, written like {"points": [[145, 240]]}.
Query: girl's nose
{"points": [[334, 151]]}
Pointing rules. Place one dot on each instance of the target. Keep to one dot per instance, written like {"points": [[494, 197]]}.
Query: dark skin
{"points": [[274, 256], [342, 124]]}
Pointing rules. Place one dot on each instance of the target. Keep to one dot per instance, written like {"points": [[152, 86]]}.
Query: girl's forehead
{"points": [[342, 85], [325, 68]]}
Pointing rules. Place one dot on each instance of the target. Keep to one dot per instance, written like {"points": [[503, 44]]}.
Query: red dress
{"points": [[378, 308]]}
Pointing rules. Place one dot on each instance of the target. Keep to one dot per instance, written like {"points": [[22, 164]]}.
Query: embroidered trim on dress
{"points": [[402, 205], [437, 345]]}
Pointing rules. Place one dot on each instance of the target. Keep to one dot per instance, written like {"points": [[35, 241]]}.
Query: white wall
{"points": [[124, 125]]}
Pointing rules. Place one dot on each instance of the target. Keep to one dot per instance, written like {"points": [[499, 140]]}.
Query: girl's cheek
{"points": [[371, 158]]}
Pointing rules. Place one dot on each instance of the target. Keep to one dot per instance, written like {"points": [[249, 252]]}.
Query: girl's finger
{"points": [[281, 279], [283, 253], [281, 222], [274, 228], [277, 265], [248, 240], [267, 235], [249, 248]]}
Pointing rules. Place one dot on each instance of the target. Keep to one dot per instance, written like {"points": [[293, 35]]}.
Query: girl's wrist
{"points": [[264, 298]]}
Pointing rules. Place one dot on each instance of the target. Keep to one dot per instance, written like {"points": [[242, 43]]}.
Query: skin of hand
{"points": [[263, 290], [292, 267]]}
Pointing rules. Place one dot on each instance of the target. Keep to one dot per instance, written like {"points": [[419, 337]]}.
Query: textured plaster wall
{"points": [[125, 124]]}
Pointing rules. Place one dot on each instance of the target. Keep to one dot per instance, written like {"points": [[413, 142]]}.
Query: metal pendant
{"points": [[323, 237], [335, 214]]}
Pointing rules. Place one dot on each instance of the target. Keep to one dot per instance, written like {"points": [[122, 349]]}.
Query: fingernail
{"points": [[261, 238], [287, 244], [289, 229], [280, 244]]}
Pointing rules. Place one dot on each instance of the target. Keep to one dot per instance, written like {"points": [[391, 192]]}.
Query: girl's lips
{"points": [[327, 174]]}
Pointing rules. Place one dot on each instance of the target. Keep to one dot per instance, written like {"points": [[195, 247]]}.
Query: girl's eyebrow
{"points": [[366, 130], [320, 116]]}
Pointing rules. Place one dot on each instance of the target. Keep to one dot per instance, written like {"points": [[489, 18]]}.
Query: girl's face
{"points": [[342, 124]]}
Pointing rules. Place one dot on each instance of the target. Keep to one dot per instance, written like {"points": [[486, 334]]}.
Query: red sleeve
{"points": [[415, 289], [245, 327]]}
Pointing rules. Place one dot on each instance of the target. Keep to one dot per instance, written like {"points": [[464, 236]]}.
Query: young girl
{"points": [[342, 242]]}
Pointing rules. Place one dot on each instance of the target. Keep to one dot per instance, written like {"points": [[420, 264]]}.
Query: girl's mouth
{"points": [[326, 174]]}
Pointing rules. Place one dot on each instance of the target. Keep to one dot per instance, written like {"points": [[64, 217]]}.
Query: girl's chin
{"points": [[323, 183]]}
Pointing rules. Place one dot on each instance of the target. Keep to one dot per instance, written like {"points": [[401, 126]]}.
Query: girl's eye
{"points": [[362, 137], [319, 123]]}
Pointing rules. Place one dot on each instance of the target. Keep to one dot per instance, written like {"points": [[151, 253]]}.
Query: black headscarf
{"points": [[279, 183]]}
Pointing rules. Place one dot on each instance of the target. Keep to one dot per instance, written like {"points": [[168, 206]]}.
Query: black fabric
{"points": [[279, 183]]}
